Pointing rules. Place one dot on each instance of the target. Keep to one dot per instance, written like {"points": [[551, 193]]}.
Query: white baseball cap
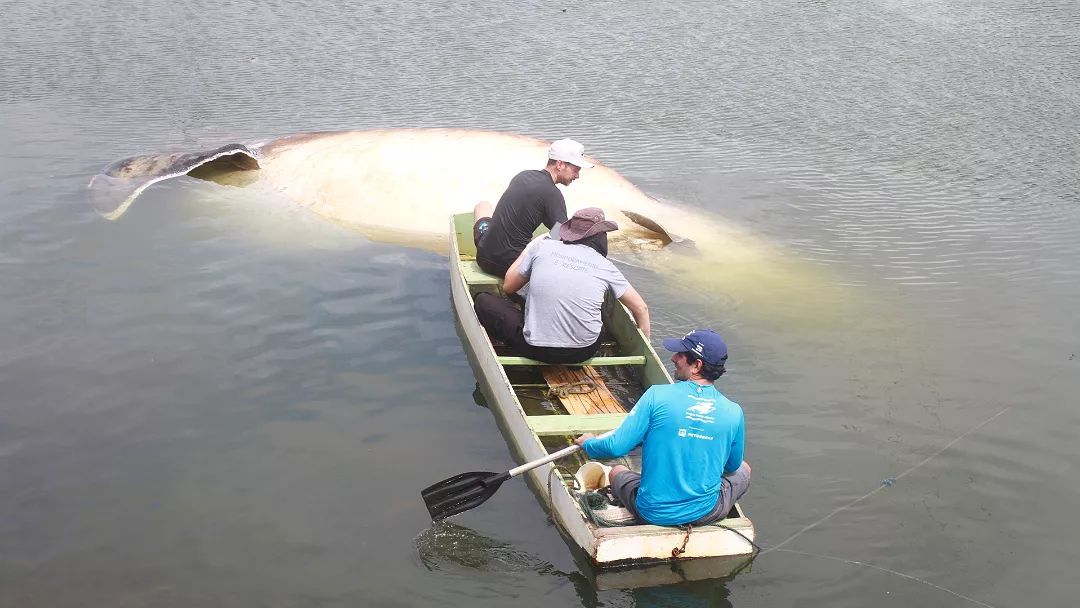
{"points": [[569, 151]]}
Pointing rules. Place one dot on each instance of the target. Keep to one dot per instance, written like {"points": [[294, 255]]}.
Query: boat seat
{"points": [[595, 361], [474, 276], [574, 425], [596, 398]]}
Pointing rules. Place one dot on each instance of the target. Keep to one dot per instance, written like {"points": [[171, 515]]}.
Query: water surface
{"points": [[222, 400]]}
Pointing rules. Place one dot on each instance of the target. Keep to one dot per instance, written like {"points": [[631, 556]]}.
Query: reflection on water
{"points": [[223, 400], [448, 547], [478, 396]]}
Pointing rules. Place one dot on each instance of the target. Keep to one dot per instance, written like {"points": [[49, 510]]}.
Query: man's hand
{"points": [[581, 440]]}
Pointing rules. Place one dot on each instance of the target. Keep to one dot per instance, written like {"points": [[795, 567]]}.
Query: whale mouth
{"points": [[114, 189]]}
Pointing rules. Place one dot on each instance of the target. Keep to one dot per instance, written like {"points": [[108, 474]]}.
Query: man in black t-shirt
{"points": [[531, 199]]}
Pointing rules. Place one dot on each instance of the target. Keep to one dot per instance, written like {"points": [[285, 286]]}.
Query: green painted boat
{"points": [[536, 421]]}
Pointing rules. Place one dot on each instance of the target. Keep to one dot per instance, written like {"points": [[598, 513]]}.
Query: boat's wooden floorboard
{"points": [[596, 401]]}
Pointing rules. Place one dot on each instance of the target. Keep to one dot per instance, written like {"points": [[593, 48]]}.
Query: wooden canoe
{"points": [[537, 421]]}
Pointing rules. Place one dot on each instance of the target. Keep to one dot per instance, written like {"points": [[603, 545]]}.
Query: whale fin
{"points": [[650, 224], [114, 189]]}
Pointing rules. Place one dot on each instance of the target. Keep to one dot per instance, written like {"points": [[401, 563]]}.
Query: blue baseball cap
{"points": [[704, 343]]}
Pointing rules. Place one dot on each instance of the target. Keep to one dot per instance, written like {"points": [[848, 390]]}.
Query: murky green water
{"points": [[223, 400]]}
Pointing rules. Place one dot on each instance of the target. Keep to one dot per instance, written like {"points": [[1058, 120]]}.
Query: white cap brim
{"points": [[578, 161]]}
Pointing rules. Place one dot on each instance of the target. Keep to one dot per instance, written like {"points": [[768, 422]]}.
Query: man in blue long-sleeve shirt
{"points": [[692, 438]]}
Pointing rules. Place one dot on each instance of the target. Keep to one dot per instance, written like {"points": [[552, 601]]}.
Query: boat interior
{"points": [[564, 401]]}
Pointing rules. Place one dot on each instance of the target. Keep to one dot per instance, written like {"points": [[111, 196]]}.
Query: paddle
{"points": [[468, 490]]}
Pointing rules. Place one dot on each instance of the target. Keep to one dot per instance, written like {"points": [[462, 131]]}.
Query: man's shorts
{"points": [[479, 228], [732, 487], [488, 265]]}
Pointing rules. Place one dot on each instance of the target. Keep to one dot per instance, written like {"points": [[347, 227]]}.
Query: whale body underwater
{"points": [[389, 184], [402, 185]]}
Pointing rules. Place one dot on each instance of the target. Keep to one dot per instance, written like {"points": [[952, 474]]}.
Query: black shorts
{"points": [[479, 228], [492, 267], [504, 321]]}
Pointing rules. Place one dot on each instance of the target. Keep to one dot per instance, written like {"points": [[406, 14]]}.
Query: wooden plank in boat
{"points": [[574, 425], [596, 401], [475, 276], [628, 360]]}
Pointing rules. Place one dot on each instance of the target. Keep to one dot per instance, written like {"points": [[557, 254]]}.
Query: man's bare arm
{"points": [[513, 281], [633, 300]]}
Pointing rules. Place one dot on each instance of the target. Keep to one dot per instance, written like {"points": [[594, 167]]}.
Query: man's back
{"points": [[567, 285], [530, 200], [692, 435]]}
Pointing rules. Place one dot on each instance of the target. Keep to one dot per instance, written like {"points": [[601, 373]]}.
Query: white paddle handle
{"points": [[563, 453]]}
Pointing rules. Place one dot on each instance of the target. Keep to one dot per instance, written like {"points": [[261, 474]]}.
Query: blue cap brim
{"points": [[675, 345]]}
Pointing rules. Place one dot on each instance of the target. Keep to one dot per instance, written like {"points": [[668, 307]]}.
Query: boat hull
{"points": [[605, 547]]}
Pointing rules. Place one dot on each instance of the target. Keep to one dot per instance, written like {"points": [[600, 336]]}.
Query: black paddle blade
{"points": [[461, 493]]}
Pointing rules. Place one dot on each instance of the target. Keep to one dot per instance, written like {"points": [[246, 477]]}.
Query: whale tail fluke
{"points": [[668, 237]]}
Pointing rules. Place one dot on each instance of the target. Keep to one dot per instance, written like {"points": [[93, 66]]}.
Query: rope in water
{"points": [[889, 482], [886, 570]]}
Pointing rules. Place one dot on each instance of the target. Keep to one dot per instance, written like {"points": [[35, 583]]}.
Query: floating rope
{"points": [[572, 388]]}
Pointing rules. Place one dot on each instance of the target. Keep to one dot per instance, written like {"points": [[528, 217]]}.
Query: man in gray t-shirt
{"points": [[568, 274]]}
